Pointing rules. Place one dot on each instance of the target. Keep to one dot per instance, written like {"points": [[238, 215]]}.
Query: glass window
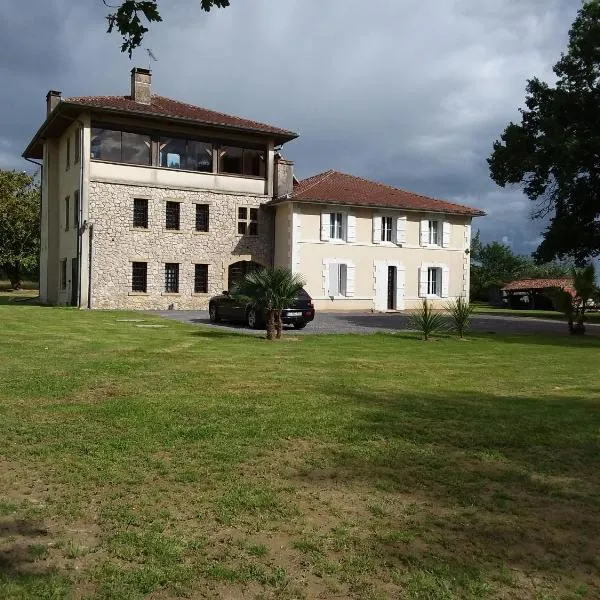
{"points": [[254, 163], [172, 278], [77, 141], [247, 221], [386, 229], [76, 209], [433, 281], [202, 217], [140, 213], [336, 226], [337, 279], [172, 153], [199, 156], [434, 232], [139, 277], [68, 153], [172, 213], [67, 213], [105, 145], [201, 279], [135, 149], [231, 160]]}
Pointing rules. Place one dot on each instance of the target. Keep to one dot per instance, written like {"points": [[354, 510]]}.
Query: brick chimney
{"points": [[52, 101], [284, 176], [141, 85]]}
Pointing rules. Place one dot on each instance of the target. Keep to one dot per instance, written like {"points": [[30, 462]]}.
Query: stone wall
{"points": [[116, 244]]}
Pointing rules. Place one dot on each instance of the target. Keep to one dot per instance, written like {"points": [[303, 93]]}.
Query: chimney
{"points": [[284, 177], [141, 85], [52, 101]]}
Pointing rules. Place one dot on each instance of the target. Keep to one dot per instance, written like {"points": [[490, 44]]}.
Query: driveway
{"points": [[367, 322]]}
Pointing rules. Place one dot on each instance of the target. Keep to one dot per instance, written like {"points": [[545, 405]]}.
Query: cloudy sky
{"points": [[408, 92]]}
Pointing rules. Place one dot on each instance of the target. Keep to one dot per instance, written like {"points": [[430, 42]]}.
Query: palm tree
{"points": [[272, 290], [575, 305]]}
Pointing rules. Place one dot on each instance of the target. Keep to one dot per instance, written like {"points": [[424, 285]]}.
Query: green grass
{"points": [[189, 462], [484, 308]]}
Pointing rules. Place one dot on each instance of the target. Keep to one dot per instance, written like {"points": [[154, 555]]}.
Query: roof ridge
{"points": [[318, 178]]}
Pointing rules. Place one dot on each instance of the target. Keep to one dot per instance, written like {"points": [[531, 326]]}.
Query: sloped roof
{"points": [[333, 187], [538, 284]]}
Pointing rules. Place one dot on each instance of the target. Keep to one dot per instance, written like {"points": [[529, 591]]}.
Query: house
{"points": [[148, 202]]}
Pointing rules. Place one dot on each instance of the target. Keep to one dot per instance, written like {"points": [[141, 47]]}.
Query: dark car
{"points": [[225, 307]]}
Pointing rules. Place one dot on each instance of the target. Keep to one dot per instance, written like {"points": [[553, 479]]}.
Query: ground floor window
{"points": [[63, 274], [139, 277], [338, 279], [434, 281], [247, 221], [200, 279], [172, 278]]}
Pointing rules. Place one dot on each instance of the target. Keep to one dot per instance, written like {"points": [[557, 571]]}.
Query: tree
{"points": [[19, 224], [129, 18], [555, 152], [574, 306], [271, 290]]}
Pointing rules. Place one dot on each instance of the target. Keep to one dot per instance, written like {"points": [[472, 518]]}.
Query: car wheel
{"points": [[252, 318], [300, 324], [213, 313]]}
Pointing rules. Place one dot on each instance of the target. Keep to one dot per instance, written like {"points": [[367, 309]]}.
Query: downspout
{"points": [[80, 210], [41, 166]]}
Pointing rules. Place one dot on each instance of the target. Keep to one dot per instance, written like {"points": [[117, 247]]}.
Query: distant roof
{"points": [[538, 284], [159, 107], [333, 187]]}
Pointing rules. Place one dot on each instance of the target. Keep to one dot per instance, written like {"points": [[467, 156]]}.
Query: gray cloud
{"points": [[409, 93]]}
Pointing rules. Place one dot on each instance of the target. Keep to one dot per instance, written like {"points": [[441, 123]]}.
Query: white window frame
{"points": [[442, 284], [397, 229], [385, 230], [333, 227], [430, 238], [349, 283], [434, 282]]}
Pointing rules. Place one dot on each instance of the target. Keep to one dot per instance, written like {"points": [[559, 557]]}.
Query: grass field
{"points": [[488, 309], [140, 461]]}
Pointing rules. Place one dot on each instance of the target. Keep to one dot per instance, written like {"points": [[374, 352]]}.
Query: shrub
{"points": [[426, 320], [460, 312]]}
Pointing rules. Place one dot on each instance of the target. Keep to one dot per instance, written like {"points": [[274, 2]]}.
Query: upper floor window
{"points": [[172, 215], [140, 213], [68, 155], [77, 145], [241, 161], [434, 233], [76, 209], [386, 229], [247, 221], [336, 226], [67, 213], [177, 153], [120, 146], [201, 217]]}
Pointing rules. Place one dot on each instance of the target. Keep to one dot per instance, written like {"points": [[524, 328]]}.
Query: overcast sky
{"points": [[411, 93]]}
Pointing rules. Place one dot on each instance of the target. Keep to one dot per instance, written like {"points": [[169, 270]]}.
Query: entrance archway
{"points": [[238, 270]]}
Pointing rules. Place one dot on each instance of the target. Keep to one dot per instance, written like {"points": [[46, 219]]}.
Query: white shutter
{"points": [[424, 232], [334, 280], [401, 230], [376, 229], [400, 286], [446, 228], [350, 279], [325, 226], [445, 281], [380, 285], [350, 228], [423, 280], [467, 237]]}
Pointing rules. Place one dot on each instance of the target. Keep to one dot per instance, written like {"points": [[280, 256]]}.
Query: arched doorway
{"points": [[238, 270]]}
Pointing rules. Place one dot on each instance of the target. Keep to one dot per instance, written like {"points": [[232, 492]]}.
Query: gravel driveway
{"points": [[337, 322]]}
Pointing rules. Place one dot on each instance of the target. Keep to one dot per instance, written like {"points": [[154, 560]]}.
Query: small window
{"points": [[139, 277], [67, 213], [201, 279], [386, 229], [77, 145], [434, 281], [172, 278], [68, 159], [336, 226], [140, 213], [337, 279], [76, 209], [172, 214], [63, 274], [247, 221], [434, 233], [202, 217]]}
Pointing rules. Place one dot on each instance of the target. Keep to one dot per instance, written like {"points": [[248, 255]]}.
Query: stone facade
{"points": [[116, 244]]}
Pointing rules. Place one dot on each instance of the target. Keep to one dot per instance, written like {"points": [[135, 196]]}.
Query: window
{"points": [[67, 213], [247, 221], [338, 278], [68, 159], [139, 277], [63, 274], [434, 280], [386, 229], [201, 279], [76, 209], [77, 147], [172, 278], [140, 213], [202, 217], [254, 163], [177, 153], [242, 161], [120, 146], [172, 213], [434, 233], [336, 226]]}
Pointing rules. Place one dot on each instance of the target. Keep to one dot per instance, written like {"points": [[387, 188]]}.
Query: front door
{"points": [[74, 282], [391, 287]]}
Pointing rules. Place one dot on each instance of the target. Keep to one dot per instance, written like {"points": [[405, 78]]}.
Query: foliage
{"points": [[460, 312], [575, 306], [19, 224], [272, 290], [128, 19], [554, 152], [426, 320]]}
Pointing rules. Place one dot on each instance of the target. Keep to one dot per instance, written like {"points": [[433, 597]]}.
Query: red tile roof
{"points": [[333, 187], [539, 284], [166, 107]]}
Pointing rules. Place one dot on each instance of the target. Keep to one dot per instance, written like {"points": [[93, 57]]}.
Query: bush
{"points": [[460, 312], [426, 320]]}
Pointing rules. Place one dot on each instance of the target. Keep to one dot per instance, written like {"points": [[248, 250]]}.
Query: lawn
{"points": [[489, 309], [155, 459]]}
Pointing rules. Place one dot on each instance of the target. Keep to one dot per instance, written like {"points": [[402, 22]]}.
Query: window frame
{"points": [[434, 284], [342, 276], [77, 146], [146, 216], [171, 287], [62, 275], [67, 212], [206, 217], [333, 225], [76, 207], [68, 154], [204, 275], [135, 263], [384, 229], [436, 241], [250, 225], [171, 204]]}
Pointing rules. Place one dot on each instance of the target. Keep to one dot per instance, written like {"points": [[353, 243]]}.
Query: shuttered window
{"points": [[338, 279]]}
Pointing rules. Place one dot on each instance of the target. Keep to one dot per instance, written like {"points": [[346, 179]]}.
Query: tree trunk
{"points": [[13, 272], [278, 324], [270, 326]]}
